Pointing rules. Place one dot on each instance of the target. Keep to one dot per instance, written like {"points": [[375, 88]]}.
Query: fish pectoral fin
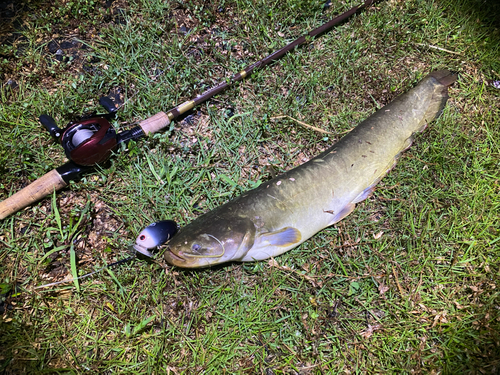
{"points": [[271, 244], [365, 193], [283, 238], [348, 208]]}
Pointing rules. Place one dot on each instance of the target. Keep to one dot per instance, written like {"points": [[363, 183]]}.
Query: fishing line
{"points": [[150, 237], [88, 274]]}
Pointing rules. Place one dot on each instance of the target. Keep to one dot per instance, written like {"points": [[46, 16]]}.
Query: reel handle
{"points": [[155, 123], [108, 105], [35, 191]]}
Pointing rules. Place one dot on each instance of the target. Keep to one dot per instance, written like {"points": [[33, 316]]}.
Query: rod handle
{"points": [[35, 191], [155, 123]]}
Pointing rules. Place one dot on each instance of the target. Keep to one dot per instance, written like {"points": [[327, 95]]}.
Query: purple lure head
{"points": [[154, 235]]}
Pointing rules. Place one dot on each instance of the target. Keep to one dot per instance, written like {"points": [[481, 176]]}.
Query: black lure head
{"points": [[155, 235]]}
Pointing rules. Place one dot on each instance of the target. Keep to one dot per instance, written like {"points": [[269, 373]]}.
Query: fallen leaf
{"points": [[273, 263], [382, 289], [369, 331]]}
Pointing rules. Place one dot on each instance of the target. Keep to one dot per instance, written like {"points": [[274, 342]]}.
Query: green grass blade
{"points": [[50, 252], [115, 279], [74, 270], [138, 328], [57, 216]]}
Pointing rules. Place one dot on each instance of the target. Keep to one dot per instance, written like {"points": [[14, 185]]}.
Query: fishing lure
{"points": [[154, 235]]}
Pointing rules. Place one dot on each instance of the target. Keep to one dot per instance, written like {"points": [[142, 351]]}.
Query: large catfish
{"points": [[284, 212]]}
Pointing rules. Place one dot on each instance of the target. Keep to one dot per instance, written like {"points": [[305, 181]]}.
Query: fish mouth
{"points": [[174, 256]]}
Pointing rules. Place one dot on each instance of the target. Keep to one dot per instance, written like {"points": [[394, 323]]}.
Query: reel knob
{"points": [[50, 124]]}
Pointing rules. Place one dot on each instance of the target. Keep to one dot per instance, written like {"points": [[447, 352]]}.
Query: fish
{"points": [[285, 211]]}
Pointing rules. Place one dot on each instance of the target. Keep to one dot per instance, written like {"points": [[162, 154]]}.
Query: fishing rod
{"points": [[91, 141]]}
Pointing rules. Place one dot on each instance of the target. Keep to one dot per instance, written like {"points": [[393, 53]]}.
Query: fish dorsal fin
{"points": [[284, 237]]}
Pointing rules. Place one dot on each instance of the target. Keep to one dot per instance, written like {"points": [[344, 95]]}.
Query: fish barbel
{"points": [[284, 212]]}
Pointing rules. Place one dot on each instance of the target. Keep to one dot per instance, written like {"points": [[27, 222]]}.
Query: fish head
{"points": [[211, 241]]}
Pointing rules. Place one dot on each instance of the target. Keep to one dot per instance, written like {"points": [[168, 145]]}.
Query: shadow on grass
{"points": [[20, 353], [473, 347], [481, 16]]}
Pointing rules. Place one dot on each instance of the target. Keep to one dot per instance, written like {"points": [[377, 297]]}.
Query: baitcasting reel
{"points": [[90, 141]]}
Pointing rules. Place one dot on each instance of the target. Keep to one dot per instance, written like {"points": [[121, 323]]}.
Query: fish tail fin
{"points": [[444, 79]]}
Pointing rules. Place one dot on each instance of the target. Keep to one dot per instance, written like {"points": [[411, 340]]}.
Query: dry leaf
{"points": [[441, 318], [369, 331], [273, 263], [382, 289]]}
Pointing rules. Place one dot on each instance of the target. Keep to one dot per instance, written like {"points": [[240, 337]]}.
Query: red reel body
{"points": [[90, 141]]}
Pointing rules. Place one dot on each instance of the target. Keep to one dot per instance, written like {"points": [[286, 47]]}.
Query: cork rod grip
{"points": [[155, 123], [35, 191]]}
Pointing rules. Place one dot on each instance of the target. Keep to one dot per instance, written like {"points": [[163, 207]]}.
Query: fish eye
{"points": [[196, 247]]}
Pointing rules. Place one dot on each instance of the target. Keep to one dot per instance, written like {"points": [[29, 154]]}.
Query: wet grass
{"points": [[405, 284]]}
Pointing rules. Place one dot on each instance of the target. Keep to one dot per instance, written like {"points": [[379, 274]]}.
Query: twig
{"points": [[418, 286], [439, 48], [409, 155], [303, 124], [397, 282]]}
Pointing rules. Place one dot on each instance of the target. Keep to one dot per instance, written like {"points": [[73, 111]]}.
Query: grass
{"points": [[405, 284]]}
